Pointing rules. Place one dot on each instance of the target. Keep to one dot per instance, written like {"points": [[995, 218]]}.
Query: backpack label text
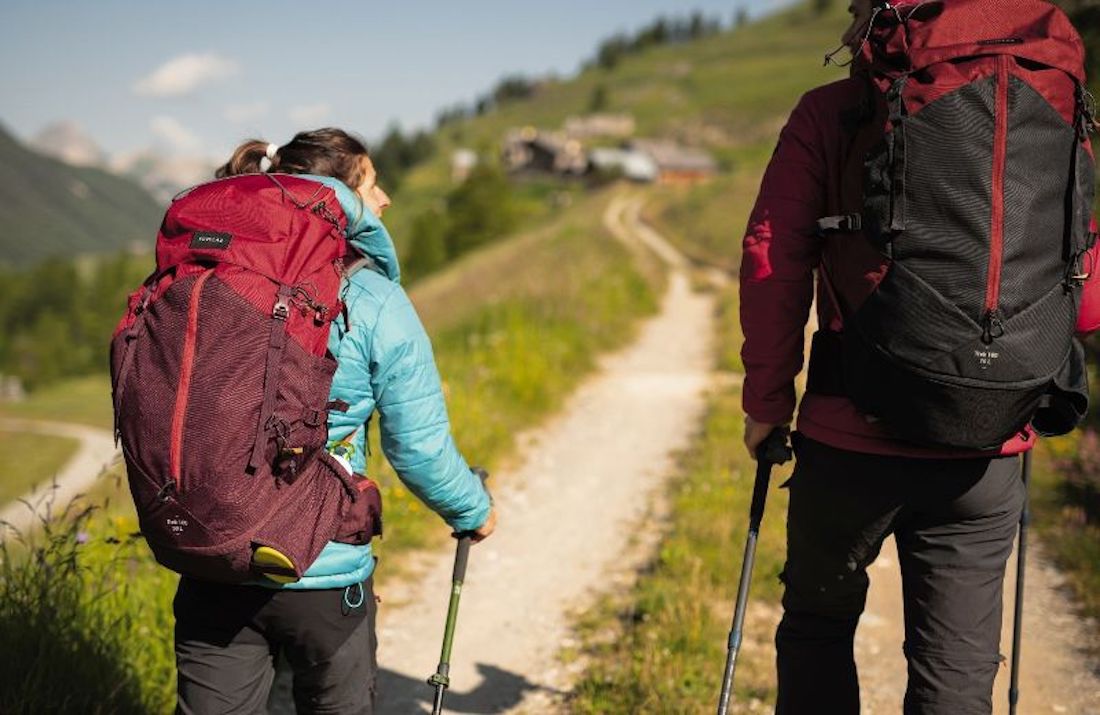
{"points": [[210, 239], [986, 358]]}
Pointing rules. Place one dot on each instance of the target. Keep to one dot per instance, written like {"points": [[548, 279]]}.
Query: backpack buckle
{"points": [[1086, 106], [281, 311], [848, 223]]}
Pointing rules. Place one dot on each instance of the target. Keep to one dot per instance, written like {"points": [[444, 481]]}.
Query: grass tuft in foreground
{"points": [[84, 616]]}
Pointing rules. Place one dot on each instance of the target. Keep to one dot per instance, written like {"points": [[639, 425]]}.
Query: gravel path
{"points": [[96, 452], [1056, 675], [567, 515]]}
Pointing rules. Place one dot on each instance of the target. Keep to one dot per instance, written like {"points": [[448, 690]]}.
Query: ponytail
{"points": [[246, 160], [325, 152]]}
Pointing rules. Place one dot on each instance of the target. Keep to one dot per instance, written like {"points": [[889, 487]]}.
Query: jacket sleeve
{"points": [[1088, 319], [415, 429], [780, 251]]}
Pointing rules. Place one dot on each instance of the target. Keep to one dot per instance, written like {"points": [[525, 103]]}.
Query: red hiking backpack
{"points": [[221, 378], [977, 188]]}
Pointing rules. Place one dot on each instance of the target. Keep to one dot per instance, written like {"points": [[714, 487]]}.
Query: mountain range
{"points": [[51, 208]]}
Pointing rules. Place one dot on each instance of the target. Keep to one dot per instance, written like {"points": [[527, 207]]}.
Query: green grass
{"points": [[85, 400], [661, 647], [86, 618], [1064, 528], [27, 460]]}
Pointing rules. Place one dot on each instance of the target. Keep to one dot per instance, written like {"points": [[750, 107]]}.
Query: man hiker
{"points": [[942, 195]]}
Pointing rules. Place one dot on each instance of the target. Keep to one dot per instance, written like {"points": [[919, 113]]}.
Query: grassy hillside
{"points": [[728, 93], [48, 208]]}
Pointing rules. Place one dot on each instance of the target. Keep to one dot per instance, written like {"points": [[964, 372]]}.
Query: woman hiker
{"points": [[228, 636]]}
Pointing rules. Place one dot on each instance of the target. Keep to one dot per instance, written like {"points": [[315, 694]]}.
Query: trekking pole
{"points": [[1018, 617], [770, 452], [441, 679]]}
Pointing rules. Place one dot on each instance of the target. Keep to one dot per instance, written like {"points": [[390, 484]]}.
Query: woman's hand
{"points": [[482, 532]]}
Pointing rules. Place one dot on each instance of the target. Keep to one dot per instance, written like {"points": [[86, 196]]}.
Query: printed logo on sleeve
{"points": [[210, 239]]}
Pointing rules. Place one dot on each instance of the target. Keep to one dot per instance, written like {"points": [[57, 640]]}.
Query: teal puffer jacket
{"points": [[385, 364]]}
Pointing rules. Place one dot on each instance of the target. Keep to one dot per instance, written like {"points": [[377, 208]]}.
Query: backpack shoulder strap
{"points": [[355, 261]]}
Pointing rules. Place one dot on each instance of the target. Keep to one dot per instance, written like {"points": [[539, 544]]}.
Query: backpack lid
{"points": [[279, 225], [909, 35]]}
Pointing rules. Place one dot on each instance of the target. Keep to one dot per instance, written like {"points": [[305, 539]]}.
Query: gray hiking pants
{"points": [[954, 521], [228, 637]]}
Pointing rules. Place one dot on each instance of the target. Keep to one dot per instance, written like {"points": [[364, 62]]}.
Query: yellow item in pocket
{"points": [[273, 564]]}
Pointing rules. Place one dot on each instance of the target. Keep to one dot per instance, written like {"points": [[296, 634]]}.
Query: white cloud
{"points": [[308, 115], [241, 113], [178, 137], [184, 74]]}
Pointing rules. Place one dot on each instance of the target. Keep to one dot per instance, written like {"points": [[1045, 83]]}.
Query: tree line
{"points": [[478, 211], [56, 318], [662, 31]]}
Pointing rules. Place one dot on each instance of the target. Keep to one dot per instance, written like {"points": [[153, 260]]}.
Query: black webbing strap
{"points": [[276, 345], [826, 373], [895, 140], [1083, 193]]}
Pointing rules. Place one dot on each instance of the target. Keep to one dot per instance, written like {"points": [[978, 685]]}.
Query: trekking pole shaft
{"points": [[756, 515], [1018, 616], [461, 556], [442, 679]]}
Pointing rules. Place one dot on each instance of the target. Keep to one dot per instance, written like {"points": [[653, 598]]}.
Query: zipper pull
{"points": [[992, 327], [165, 493]]}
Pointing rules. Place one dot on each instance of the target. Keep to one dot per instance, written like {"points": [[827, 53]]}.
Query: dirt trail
{"points": [[567, 515], [1056, 675], [96, 452]]}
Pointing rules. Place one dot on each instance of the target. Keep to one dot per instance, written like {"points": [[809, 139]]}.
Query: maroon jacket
{"points": [[804, 181]]}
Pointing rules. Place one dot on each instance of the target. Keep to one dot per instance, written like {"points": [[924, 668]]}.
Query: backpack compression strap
{"points": [[276, 345]]}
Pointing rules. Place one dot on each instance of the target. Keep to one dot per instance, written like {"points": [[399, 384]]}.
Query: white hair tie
{"points": [[269, 156]]}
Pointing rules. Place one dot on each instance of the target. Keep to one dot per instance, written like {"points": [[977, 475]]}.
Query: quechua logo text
{"points": [[210, 239]]}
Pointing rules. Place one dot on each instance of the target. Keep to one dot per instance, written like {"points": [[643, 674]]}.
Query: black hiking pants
{"points": [[229, 637], [954, 522]]}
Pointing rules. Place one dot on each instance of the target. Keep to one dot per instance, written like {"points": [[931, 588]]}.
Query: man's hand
{"points": [[483, 532], [755, 433]]}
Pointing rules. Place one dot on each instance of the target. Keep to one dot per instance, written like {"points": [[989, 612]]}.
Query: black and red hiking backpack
{"points": [[977, 188], [221, 378]]}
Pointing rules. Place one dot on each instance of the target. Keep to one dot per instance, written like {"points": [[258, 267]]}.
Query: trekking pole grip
{"points": [[772, 451], [465, 538]]}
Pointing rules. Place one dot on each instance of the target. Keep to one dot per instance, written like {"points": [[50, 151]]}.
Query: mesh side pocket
{"points": [[363, 519], [308, 513]]}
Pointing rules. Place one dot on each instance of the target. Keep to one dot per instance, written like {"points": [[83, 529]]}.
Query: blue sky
{"points": [[196, 77]]}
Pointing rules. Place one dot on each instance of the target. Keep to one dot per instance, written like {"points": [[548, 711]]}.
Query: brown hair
{"points": [[324, 152]]}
